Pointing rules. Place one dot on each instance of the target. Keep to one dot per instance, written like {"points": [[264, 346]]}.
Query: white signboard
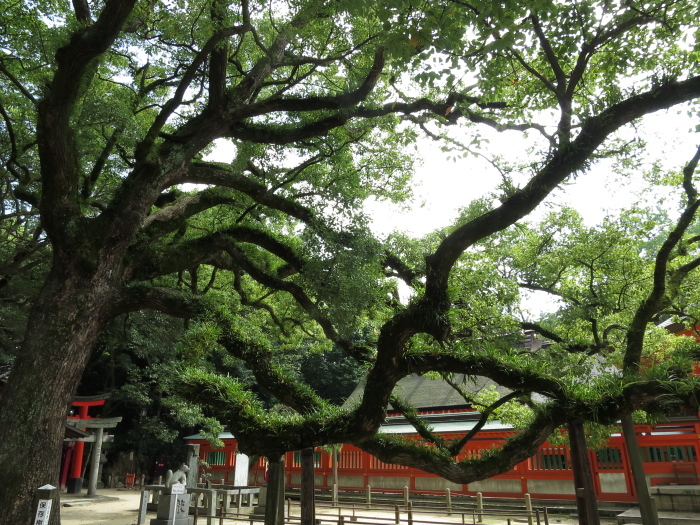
{"points": [[177, 488], [43, 511]]}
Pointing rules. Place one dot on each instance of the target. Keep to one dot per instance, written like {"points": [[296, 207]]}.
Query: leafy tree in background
{"points": [[465, 309], [109, 107]]}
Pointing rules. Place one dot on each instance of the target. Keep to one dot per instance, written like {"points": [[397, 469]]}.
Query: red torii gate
{"points": [[73, 459]]}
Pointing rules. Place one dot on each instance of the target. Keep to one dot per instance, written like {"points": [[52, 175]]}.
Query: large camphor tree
{"points": [[109, 107]]}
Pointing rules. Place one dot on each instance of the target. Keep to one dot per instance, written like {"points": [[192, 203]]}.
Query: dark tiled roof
{"points": [[72, 432], [426, 393]]}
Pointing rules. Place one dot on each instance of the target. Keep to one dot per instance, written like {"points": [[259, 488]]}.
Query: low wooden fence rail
{"points": [[402, 514]]}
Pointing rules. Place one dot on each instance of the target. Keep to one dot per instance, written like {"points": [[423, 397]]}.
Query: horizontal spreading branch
{"points": [[509, 376], [201, 173], [516, 449], [259, 359]]}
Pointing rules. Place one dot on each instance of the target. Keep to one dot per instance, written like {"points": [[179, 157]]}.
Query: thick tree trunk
{"points": [[646, 507], [65, 322], [583, 476], [308, 492], [274, 509]]}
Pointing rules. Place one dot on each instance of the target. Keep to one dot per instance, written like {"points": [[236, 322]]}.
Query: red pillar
{"points": [[66, 465], [75, 481]]}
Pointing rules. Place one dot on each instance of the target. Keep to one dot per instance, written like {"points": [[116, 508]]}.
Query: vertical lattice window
{"points": [[296, 462], [216, 458], [609, 459], [684, 453], [553, 458]]}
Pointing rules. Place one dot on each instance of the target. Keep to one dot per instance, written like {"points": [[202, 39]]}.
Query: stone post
{"points": [[528, 508], [240, 470], [95, 465], [143, 507], [45, 497], [193, 464]]}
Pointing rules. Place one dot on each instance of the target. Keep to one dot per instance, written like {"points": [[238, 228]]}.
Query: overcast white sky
{"points": [[443, 186]]}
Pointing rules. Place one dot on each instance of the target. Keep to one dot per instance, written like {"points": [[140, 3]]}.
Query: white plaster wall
{"points": [[496, 485], [547, 486], [380, 482], [613, 482], [436, 484]]}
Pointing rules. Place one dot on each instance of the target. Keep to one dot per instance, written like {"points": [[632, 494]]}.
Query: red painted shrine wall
{"points": [[670, 453]]}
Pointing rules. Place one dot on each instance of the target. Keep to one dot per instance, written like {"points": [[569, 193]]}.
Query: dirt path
{"points": [[120, 511]]}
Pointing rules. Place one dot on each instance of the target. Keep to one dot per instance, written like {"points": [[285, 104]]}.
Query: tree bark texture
{"points": [[307, 493], [65, 323], [647, 509], [583, 476], [274, 507]]}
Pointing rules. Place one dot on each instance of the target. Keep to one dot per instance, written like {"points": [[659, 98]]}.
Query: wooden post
{"points": [[397, 519], [410, 513], [647, 509], [307, 489], [448, 501], [583, 478]]}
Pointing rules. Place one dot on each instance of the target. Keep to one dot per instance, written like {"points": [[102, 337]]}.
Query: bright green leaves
{"points": [[343, 277]]}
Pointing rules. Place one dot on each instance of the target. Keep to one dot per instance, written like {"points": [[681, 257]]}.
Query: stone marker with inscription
{"points": [[173, 508], [46, 495]]}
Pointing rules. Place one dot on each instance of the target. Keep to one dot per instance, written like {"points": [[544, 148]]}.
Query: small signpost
{"points": [[46, 495]]}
